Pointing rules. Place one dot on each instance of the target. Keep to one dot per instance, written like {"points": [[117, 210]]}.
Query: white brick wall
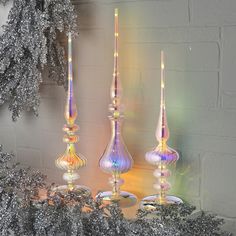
{"points": [[199, 38]]}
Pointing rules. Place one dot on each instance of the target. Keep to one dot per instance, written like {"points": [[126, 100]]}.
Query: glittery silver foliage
{"points": [[18, 187], [26, 212], [29, 46]]}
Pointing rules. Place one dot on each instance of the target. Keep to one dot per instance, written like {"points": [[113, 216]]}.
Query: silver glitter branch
{"points": [[29, 46], [24, 212]]}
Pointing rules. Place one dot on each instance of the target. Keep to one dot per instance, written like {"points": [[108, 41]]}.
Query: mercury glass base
{"points": [[81, 189], [124, 199], [150, 202]]}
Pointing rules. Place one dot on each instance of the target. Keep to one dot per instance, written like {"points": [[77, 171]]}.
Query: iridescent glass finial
{"points": [[70, 160], [116, 158], [162, 155]]}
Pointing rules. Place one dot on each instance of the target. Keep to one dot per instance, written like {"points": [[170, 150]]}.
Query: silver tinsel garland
{"points": [[24, 213], [30, 46]]}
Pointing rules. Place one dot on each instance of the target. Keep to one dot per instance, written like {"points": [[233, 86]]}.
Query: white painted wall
{"points": [[199, 38]]}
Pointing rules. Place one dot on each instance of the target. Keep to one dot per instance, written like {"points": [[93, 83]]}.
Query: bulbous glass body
{"points": [[162, 154], [70, 160], [116, 158]]}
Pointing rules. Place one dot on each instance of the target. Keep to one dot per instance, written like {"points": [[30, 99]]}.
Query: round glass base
{"points": [[124, 199], [81, 189], [150, 202]]}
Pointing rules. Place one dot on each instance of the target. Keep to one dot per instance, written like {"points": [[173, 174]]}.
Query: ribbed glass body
{"points": [[116, 158]]}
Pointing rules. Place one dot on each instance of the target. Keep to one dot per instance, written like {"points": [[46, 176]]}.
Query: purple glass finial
{"points": [[116, 158]]}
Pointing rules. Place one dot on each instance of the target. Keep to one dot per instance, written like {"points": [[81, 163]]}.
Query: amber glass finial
{"points": [[70, 161]]}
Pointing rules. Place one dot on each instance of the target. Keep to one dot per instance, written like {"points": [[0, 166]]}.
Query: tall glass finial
{"points": [[70, 160], [116, 158], [162, 155]]}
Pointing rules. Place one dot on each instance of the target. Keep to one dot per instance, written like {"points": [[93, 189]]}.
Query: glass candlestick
{"points": [[162, 156], [70, 161], [116, 158]]}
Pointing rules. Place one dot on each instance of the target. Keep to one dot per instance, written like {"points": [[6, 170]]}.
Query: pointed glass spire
{"points": [[70, 160], [116, 158], [162, 131], [162, 152], [162, 155]]}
